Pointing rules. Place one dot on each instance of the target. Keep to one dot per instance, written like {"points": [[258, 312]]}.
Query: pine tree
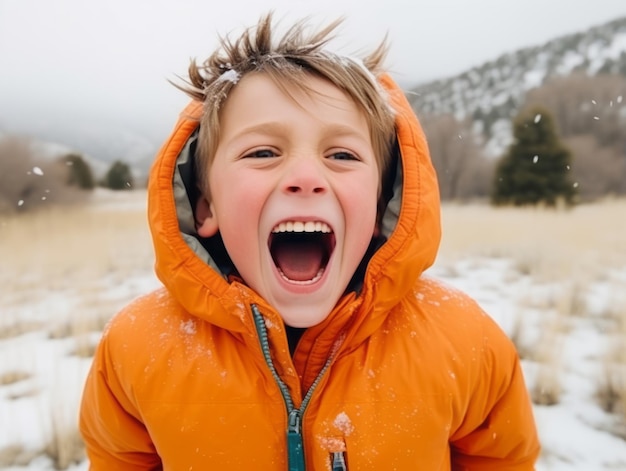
{"points": [[119, 177], [536, 167]]}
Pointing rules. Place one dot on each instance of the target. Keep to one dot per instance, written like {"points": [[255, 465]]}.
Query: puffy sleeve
{"points": [[499, 431], [111, 427]]}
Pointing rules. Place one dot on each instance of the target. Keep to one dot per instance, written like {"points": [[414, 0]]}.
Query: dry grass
{"points": [[65, 447], [517, 335], [16, 455], [573, 248], [549, 244], [9, 455], [13, 376], [547, 388], [17, 327], [75, 249], [64, 244], [74, 253], [571, 300], [611, 386]]}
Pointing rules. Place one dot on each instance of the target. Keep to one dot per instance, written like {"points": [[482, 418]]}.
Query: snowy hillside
{"points": [[491, 92]]}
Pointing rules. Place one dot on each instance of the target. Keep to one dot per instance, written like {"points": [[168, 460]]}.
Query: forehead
{"points": [[303, 89], [263, 93]]}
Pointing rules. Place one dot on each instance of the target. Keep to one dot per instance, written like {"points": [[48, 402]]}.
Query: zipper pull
{"points": [[295, 449], [339, 462]]}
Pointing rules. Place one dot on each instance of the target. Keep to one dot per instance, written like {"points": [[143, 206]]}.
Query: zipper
{"points": [[339, 462], [295, 448]]}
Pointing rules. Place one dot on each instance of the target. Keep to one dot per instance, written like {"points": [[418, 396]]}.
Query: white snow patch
{"points": [[230, 75], [343, 423], [188, 327]]}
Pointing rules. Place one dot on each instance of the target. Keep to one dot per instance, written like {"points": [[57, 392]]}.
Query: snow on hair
{"points": [[286, 60]]}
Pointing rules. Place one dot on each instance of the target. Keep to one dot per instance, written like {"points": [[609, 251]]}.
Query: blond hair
{"points": [[286, 61]]}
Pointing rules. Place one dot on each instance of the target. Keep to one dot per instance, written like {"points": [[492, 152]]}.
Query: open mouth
{"points": [[301, 250]]}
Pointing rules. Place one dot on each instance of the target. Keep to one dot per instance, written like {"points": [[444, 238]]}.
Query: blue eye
{"points": [[343, 156], [261, 154]]}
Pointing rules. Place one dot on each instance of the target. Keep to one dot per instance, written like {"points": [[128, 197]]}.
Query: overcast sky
{"points": [[114, 56]]}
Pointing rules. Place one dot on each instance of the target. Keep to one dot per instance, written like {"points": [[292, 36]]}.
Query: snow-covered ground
{"points": [[565, 335], [576, 434]]}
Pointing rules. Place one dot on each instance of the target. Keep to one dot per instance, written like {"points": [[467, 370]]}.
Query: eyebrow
{"points": [[277, 127], [271, 127]]}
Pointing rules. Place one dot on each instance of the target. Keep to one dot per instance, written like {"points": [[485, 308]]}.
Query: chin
{"points": [[303, 318]]}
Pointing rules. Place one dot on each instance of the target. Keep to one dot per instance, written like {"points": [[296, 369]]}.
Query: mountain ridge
{"points": [[491, 93]]}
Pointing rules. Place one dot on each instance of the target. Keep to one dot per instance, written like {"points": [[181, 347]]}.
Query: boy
{"points": [[293, 212]]}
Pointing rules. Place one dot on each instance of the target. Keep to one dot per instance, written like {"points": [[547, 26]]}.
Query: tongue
{"points": [[299, 261]]}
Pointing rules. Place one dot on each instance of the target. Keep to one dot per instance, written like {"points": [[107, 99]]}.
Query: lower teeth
{"points": [[304, 282]]}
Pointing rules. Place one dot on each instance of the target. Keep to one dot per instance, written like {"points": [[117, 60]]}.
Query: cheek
{"points": [[360, 200], [360, 212], [238, 204], [235, 194]]}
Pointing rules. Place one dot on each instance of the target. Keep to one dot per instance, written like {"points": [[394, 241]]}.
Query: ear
{"points": [[206, 220]]}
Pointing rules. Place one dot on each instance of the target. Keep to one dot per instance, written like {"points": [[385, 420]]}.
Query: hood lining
{"points": [[186, 195]]}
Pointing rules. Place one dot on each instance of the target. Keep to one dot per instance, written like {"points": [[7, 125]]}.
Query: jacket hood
{"points": [[197, 272]]}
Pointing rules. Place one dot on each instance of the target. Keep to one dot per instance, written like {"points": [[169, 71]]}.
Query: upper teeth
{"points": [[299, 226]]}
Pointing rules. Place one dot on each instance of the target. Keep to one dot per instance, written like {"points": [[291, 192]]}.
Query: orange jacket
{"points": [[406, 375]]}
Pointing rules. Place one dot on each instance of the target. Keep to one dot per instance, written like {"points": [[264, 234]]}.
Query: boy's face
{"points": [[294, 186]]}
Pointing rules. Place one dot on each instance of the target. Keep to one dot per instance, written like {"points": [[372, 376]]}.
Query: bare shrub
{"points": [[598, 171], [29, 181], [462, 170], [584, 104]]}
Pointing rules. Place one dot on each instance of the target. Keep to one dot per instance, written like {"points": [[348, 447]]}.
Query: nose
{"points": [[304, 177]]}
